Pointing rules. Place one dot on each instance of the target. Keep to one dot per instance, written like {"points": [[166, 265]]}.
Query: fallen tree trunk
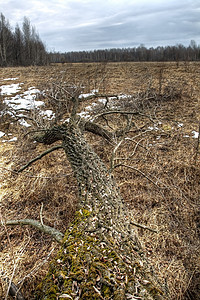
{"points": [[100, 256]]}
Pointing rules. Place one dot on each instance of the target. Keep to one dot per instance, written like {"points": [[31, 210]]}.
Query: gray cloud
{"points": [[67, 25]]}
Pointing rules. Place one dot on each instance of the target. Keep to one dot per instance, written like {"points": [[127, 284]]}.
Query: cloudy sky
{"points": [[70, 25]]}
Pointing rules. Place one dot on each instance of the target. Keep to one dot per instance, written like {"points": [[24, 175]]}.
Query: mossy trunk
{"points": [[100, 257]]}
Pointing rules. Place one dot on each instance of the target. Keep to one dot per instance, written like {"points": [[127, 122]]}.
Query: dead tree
{"points": [[100, 255]]}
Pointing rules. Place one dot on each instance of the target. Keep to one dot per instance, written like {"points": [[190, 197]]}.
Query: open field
{"points": [[158, 172]]}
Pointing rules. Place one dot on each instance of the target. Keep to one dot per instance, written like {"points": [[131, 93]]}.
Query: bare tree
{"points": [[5, 41], [21, 47]]}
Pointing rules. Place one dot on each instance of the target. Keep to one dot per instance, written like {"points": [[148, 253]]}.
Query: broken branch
{"points": [[143, 226], [39, 157], [57, 235]]}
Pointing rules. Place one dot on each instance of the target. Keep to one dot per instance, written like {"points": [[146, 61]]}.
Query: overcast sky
{"points": [[70, 25]]}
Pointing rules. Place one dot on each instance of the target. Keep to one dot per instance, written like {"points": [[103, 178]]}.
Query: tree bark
{"points": [[100, 257]]}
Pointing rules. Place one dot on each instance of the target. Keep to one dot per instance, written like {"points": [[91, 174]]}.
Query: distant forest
{"points": [[23, 47], [141, 53]]}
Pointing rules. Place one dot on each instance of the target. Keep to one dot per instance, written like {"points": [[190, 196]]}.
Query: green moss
{"points": [[94, 270]]}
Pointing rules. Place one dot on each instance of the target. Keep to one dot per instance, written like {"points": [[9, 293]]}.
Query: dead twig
{"points": [[143, 226]]}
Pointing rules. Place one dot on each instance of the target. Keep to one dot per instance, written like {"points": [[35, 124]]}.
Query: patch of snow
{"points": [[67, 120], [153, 128], [93, 92], [1, 134], [91, 107], [123, 96], [24, 123], [102, 101], [84, 115], [180, 124], [27, 100], [10, 89], [13, 139], [48, 113], [11, 78], [195, 134]]}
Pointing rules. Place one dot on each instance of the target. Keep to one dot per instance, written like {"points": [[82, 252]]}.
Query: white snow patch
{"points": [[27, 100], [153, 128], [23, 103], [66, 120], [11, 78], [24, 123], [91, 107], [93, 92], [180, 124], [48, 113], [2, 133], [123, 96], [10, 89], [195, 134], [84, 114], [13, 139], [102, 101]]}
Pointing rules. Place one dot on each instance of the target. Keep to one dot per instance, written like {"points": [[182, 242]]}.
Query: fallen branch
{"points": [[113, 155], [39, 157], [86, 98], [96, 129], [57, 235], [143, 227], [110, 112]]}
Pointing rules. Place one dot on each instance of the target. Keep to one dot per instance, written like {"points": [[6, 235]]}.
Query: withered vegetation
{"points": [[154, 159]]}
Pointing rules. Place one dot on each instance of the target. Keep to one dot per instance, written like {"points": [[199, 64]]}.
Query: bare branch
{"points": [[127, 166], [99, 96], [96, 129], [143, 226], [39, 157], [57, 235], [113, 155], [110, 112]]}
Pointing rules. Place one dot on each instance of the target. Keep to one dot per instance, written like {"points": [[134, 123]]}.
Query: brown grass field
{"points": [[159, 175]]}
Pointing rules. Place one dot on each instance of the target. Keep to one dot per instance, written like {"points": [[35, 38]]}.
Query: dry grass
{"points": [[161, 189]]}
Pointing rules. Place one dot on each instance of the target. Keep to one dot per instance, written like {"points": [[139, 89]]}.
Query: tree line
{"points": [[21, 46], [137, 54]]}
